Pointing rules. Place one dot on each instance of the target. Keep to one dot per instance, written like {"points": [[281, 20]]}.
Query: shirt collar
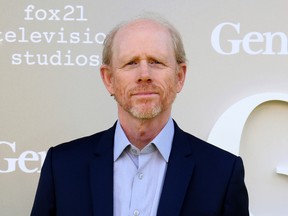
{"points": [[163, 141], [120, 141]]}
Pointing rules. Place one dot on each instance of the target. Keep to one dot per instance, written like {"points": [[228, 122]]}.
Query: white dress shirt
{"points": [[139, 175]]}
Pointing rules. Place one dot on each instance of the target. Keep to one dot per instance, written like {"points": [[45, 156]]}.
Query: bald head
{"points": [[143, 23]]}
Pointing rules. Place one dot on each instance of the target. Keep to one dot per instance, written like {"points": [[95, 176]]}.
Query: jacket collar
{"points": [[101, 174], [178, 175]]}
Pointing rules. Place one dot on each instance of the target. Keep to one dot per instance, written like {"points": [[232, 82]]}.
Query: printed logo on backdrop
{"points": [[27, 161], [46, 28], [229, 39]]}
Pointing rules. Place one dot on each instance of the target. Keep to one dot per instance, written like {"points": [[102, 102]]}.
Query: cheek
{"points": [[120, 88], [171, 85]]}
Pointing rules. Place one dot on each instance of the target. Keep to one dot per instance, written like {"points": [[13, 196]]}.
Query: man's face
{"points": [[144, 74]]}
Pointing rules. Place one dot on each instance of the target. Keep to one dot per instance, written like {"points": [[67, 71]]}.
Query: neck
{"points": [[140, 132]]}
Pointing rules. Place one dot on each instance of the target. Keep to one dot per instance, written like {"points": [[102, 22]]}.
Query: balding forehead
{"points": [[143, 39], [156, 23], [140, 25]]}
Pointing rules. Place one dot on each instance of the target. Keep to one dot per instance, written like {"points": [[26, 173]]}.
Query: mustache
{"points": [[145, 88]]}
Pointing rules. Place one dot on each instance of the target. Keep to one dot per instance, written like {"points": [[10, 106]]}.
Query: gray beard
{"points": [[147, 114], [139, 114]]}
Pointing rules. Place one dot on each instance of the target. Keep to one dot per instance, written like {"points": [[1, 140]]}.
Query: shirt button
{"points": [[140, 175], [136, 212], [134, 151]]}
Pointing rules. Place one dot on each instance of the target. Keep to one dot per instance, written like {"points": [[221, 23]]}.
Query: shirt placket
{"points": [[139, 187]]}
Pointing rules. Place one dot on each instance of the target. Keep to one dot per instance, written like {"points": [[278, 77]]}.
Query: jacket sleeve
{"points": [[44, 203], [237, 203]]}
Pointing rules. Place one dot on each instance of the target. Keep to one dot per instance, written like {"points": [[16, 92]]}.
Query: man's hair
{"points": [[175, 36]]}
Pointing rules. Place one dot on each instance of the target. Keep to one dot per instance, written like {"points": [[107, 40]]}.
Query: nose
{"points": [[144, 72]]}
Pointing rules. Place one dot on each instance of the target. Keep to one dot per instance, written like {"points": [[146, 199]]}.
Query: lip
{"points": [[144, 94]]}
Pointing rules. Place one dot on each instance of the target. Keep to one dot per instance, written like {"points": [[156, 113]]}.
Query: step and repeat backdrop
{"points": [[235, 94]]}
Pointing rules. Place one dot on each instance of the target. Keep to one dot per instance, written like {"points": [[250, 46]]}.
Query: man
{"points": [[145, 164]]}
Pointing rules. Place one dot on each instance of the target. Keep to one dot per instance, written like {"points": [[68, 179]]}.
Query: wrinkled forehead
{"points": [[143, 34]]}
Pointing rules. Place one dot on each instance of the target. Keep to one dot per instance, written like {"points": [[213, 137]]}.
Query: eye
{"points": [[154, 62], [132, 63]]}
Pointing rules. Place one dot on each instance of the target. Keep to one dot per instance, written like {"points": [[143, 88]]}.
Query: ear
{"points": [[181, 75], [107, 78]]}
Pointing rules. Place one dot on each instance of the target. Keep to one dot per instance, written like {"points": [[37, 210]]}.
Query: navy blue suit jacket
{"points": [[201, 179]]}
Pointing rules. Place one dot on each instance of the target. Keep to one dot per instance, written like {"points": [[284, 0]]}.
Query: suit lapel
{"points": [[178, 175], [101, 175]]}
